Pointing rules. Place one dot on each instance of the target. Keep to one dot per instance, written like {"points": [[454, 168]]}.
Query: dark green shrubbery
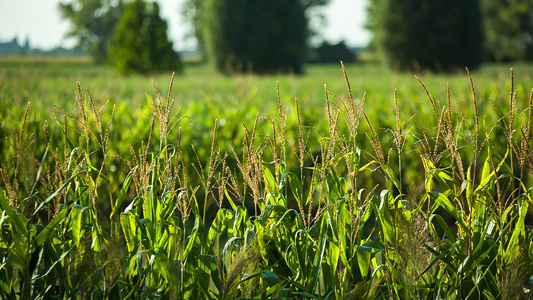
{"points": [[140, 43], [262, 36]]}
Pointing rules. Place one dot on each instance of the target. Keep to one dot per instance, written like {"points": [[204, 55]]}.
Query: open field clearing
{"points": [[380, 186]]}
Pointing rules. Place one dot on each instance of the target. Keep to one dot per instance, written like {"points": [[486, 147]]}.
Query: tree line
{"points": [[266, 36]]}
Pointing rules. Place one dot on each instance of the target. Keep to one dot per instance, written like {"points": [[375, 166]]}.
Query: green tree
{"points": [[509, 29], [262, 36], [192, 13], [93, 23], [140, 43], [437, 35]]}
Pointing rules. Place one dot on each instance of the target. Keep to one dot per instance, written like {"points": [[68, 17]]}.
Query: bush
{"points": [[140, 43]]}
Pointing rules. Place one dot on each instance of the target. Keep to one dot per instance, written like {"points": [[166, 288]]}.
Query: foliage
{"points": [[331, 53], [192, 12], [140, 43], [428, 35], [259, 36], [310, 230], [509, 28], [93, 23]]}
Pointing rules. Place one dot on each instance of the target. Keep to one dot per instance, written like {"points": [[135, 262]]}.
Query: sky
{"points": [[40, 21]]}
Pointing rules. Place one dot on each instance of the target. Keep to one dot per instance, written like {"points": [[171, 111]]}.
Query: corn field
{"points": [[289, 212]]}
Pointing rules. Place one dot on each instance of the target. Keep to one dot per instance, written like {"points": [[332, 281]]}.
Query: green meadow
{"points": [[350, 182]]}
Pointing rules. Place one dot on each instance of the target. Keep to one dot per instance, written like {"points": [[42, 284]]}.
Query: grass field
{"points": [[265, 187]]}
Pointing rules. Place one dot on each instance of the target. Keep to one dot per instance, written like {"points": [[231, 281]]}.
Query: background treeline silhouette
{"points": [[273, 36]]}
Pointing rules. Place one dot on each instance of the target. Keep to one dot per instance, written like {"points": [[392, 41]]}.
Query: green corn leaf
{"points": [[18, 221], [207, 268], [318, 258], [369, 166], [98, 243], [39, 171], [222, 221], [275, 289], [149, 207], [443, 201], [269, 277], [519, 231], [429, 168], [101, 175], [268, 210], [51, 227], [240, 220], [230, 199], [193, 237], [229, 249], [343, 219], [333, 260], [148, 229], [363, 260], [129, 228], [391, 175], [302, 243], [381, 209], [190, 266], [122, 194], [46, 271], [403, 286], [163, 266], [15, 256], [334, 191], [162, 241], [469, 189], [448, 232], [376, 270], [75, 223], [168, 206], [295, 185], [270, 182], [52, 197], [487, 174]]}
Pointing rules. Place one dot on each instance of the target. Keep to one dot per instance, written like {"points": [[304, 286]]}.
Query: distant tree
{"points": [[332, 53], [140, 43], [93, 23], [192, 12], [509, 29], [262, 36], [437, 35]]}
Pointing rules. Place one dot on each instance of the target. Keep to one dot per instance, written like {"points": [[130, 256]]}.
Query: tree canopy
{"points": [[192, 12], [437, 35], [93, 23], [509, 29], [140, 43], [262, 36]]}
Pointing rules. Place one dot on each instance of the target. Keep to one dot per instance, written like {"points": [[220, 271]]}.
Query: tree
{"points": [[192, 12], [262, 36], [437, 35], [509, 29], [140, 43], [93, 23]]}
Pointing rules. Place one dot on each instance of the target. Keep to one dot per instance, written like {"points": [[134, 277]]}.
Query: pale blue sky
{"points": [[40, 21]]}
